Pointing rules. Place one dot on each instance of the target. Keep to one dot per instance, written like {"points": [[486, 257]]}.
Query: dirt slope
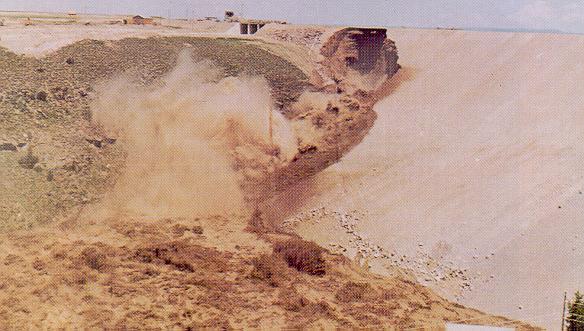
{"points": [[84, 269], [136, 272], [44, 104], [476, 160]]}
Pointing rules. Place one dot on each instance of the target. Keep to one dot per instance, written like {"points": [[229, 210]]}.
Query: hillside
{"points": [[136, 175]]}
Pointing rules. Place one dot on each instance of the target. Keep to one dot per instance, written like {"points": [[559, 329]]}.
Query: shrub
{"points": [[304, 256], [352, 291], [291, 300], [8, 147], [29, 160], [94, 259], [197, 229], [42, 96], [271, 269]]}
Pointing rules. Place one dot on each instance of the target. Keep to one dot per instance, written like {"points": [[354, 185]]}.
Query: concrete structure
{"points": [[247, 26]]}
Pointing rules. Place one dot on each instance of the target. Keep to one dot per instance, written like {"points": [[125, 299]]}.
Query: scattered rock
{"points": [[70, 60], [308, 148]]}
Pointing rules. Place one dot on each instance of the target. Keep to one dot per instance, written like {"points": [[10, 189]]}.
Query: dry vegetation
{"points": [[125, 272]]}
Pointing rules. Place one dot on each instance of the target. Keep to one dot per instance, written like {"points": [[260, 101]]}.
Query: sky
{"points": [[558, 15]]}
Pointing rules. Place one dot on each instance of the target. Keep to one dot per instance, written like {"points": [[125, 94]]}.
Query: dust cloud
{"points": [[192, 140]]}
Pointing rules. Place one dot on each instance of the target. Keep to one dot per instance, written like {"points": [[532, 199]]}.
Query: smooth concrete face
{"points": [[466, 327], [475, 151]]}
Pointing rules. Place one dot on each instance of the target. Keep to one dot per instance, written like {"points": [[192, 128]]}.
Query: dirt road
{"points": [[477, 159]]}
